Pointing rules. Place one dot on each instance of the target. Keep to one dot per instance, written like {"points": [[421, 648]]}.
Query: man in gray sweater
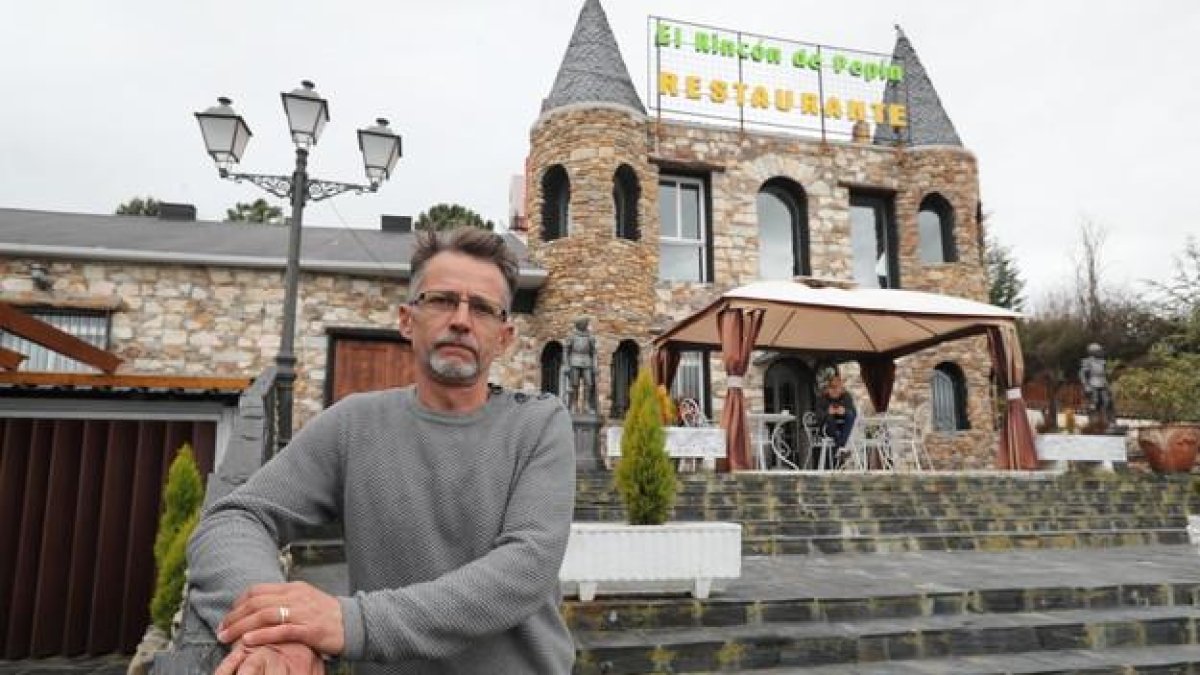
{"points": [[456, 499]]}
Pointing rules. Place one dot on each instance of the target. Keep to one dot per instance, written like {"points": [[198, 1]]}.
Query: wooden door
{"points": [[368, 364]]}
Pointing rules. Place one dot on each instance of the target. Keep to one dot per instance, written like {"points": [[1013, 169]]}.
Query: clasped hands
{"points": [[281, 629]]}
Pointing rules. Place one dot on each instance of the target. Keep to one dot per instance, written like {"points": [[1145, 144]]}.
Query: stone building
{"points": [[629, 219], [639, 221]]}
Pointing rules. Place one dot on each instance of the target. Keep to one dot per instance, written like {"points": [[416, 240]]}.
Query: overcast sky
{"points": [[1075, 109]]}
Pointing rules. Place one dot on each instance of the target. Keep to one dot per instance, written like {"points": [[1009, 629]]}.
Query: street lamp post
{"points": [[226, 135]]}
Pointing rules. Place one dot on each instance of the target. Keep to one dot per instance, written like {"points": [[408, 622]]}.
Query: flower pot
{"points": [[615, 558], [1170, 448]]}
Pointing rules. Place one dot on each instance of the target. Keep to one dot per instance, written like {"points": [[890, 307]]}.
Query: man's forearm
{"points": [[229, 553]]}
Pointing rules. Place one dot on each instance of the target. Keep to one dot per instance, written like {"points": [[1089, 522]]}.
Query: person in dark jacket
{"points": [[836, 412]]}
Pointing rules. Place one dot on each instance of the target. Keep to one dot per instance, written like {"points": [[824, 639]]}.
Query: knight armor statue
{"points": [[580, 355], [1093, 375]]}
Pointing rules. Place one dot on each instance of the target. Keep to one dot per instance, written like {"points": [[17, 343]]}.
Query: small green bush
{"points": [[1166, 387], [172, 569], [183, 496], [645, 475]]}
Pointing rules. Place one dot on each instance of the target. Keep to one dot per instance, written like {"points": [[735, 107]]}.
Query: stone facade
{"points": [[615, 281], [209, 320], [216, 321]]}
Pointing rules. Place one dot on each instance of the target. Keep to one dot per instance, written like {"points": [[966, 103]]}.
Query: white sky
{"points": [[1075, 109]]}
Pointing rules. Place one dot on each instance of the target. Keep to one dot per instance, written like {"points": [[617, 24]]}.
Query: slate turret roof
{"points": [[592, 70], [928, 122]]}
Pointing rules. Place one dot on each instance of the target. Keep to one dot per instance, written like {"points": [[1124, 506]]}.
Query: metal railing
{"points": [[194, 649]]}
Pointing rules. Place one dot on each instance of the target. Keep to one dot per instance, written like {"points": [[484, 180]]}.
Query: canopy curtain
{"points": [[1016, 450], [663, 365], [738, 327], [878, 375]]}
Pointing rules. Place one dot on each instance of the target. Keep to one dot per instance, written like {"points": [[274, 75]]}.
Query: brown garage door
{"points": [[79, 505], [368, 363]]}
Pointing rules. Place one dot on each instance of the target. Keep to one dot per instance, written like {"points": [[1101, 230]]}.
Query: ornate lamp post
{"points": [[226, 135]]}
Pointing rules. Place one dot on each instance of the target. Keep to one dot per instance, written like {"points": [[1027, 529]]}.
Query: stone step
{"points": [[876, 512], [632, 613], [992, 541], [1159, 660], [742, 648], [312, 552], [872, 527], [913, 483], [836, 499]]}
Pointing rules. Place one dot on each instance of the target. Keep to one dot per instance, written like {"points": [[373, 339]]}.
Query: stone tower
{"points": [[939, 173], [591, 195]]}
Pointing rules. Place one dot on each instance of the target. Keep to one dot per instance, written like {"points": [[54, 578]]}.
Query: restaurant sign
{"points": [[703, 73]]}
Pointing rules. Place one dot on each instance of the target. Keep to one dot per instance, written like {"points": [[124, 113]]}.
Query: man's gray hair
{"points": [[471, 241]]}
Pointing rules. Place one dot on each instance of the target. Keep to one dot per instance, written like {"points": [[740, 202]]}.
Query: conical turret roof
{"points": [[592, 70], [928, 123]]}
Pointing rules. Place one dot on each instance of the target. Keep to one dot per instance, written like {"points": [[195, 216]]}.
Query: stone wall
{"points": [[215, 321]]}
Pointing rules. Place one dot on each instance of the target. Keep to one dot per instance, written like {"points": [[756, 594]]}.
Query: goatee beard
{"points": [[450, 371]]}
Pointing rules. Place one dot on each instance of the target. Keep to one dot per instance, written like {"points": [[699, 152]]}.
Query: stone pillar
{"points": [[587, 443]]}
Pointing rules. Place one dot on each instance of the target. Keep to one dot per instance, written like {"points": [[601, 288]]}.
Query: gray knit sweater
{"points": [[455, 528]]}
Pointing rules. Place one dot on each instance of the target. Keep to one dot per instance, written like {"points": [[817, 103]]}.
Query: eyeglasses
{"points": [[447, 302]]}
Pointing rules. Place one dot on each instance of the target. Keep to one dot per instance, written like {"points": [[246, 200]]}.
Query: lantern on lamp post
{"points": [[226, 135]]}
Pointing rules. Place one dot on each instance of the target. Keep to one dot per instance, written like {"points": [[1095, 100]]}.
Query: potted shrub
{"points": [[1167, 389], [649, 554]]}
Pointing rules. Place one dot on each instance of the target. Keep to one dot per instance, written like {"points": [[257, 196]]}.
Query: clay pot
{"points": [[1170, 448]]}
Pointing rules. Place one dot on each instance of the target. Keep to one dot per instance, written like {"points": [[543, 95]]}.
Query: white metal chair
{"points": [[818, 442], [691, 414], [869, 438], [780, 447], [854, 455]]}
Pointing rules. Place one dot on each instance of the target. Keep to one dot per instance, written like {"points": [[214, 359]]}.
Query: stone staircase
{"points": [[887, 513], [1002, 573]]}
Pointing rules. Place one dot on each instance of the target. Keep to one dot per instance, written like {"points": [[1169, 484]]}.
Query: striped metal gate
{"points": [[79, 505]]}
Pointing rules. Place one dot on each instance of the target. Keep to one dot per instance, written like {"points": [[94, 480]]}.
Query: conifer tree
{"points": [[182, 498], [645, 476]]}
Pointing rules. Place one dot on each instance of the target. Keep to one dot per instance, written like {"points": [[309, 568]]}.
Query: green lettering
{"points": [[702, 43], [662, 36], [856, 68], [728, 48], [839, 63]]}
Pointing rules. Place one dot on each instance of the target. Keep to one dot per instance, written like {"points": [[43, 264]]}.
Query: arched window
{"points": [[556, 203], [935, 229], [782, 230], [552, 362], [626, 193], [949, 394], [624, 372]]}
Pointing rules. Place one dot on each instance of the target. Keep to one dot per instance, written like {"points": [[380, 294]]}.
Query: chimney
{"points": [[395, 223], [171, 211]]}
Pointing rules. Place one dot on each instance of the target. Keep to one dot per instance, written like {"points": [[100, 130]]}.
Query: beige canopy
{"points": [[835, 323]]}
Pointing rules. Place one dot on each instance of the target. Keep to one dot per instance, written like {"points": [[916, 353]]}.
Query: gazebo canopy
{"points": [[841, 323]]}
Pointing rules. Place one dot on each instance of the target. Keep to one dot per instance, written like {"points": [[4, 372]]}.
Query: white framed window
{"points": [[91, 327], [683, 243], [691, 380]]}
